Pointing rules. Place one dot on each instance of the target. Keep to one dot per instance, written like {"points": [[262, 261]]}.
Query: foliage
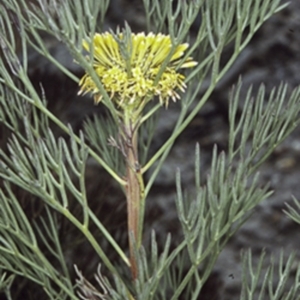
{"points": [[41, 169]]}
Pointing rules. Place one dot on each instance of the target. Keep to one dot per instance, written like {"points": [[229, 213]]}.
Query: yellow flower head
{"points": [[130, 80]]}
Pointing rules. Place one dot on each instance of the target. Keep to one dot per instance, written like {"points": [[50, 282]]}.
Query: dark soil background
{"points": [[272, 56]]}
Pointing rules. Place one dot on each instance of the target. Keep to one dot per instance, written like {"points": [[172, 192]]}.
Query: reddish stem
{"points": [[133, 195]]}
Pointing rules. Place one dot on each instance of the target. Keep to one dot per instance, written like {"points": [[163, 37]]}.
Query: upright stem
{"points": [[134, 195]]}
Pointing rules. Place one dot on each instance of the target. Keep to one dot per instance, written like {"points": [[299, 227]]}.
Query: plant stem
{"points": [[134, 194]]}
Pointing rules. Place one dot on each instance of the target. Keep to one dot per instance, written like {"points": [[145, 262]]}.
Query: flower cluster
{"points": [[129, 86]]}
